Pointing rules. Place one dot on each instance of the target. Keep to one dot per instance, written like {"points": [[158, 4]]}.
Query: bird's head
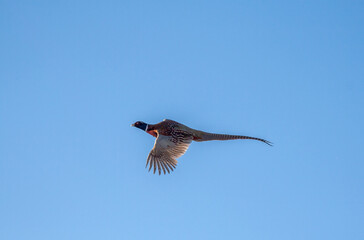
{"points": [[139, 124]]}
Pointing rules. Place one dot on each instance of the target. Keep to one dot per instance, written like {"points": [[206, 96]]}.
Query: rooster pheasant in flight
{"points": [[173, 140]]}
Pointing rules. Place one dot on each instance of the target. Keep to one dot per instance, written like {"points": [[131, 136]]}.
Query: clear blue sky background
{"points": [[75, 74]]}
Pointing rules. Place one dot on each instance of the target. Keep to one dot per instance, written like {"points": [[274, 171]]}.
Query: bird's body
{"points": [[173, 140]]}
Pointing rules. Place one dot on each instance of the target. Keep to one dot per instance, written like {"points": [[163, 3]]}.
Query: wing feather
{"points": [[165, 152]]}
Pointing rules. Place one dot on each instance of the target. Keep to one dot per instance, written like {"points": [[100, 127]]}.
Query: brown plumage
{"points": [[173, 140]]}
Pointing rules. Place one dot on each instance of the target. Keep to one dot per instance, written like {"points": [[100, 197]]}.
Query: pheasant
{"points": [[173, 140]]}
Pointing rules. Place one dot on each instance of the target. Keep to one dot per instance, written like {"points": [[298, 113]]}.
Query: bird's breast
{"points": [[153, 133]]}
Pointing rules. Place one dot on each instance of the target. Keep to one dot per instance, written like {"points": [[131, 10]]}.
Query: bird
{"points": [[173, 140]]}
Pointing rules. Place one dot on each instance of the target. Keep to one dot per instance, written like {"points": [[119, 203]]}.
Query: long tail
{"points": [[204, 136]]}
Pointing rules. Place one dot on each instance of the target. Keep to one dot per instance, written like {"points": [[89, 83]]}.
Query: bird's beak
{"points": [[132, 125]]}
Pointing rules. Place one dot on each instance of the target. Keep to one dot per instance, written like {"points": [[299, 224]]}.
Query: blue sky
{"points": [[75, 74]]}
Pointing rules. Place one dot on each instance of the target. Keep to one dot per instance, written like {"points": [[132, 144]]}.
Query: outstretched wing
{"points": [[165, 152]]}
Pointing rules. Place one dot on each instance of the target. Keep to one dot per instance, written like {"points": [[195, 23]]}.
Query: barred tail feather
{"points": [[204, 136]]}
